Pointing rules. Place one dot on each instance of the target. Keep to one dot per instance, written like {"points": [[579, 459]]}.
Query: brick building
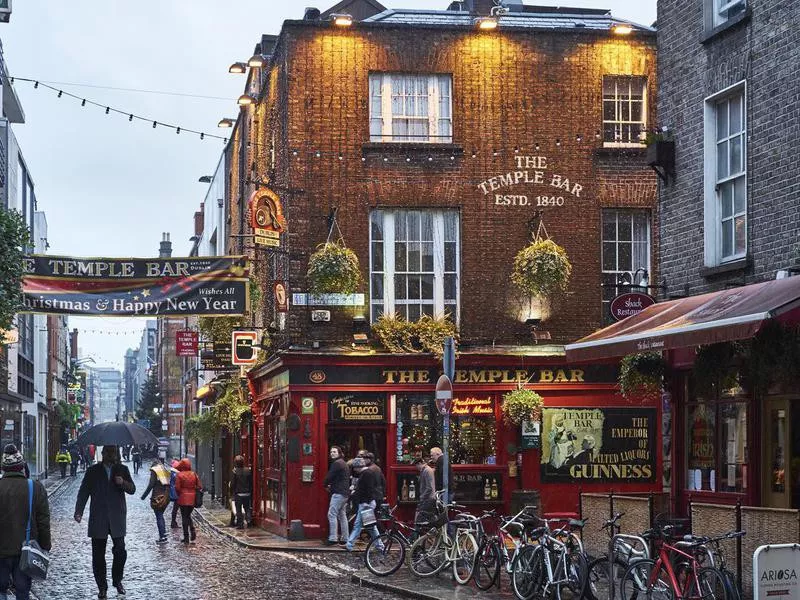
{"points": [[436, 148]]}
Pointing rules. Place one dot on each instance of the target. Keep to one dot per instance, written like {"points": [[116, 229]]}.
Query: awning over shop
{"points": [[724, 316]]}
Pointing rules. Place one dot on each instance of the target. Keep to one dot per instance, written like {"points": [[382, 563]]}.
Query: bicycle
{"points": [[663, 580], [493, 553], [436, 549], [555, 566], [387, 553], [716, 559], [602, 571]]}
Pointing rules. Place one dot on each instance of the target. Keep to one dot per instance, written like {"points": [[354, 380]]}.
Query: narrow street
{"points": [[210, 569]]}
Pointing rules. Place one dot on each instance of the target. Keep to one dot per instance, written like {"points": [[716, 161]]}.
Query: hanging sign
{"points": [[357, 408], [266, 217], [598, 444], [281, 297], [216, 356], [209, 286], [186, 342], [243, 344], [630, 304]]}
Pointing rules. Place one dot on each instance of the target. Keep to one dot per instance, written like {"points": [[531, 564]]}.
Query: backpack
{"points": [[173, 493]]}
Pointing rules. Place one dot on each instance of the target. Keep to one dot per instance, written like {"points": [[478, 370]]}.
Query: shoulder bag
{"points": [[33, 561], [198, 493]]}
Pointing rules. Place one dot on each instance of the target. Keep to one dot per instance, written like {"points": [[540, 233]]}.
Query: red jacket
{"points": [[186, 483]]}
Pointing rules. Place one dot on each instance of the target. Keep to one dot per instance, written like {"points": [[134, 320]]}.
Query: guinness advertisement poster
{"points": [[598, 444], [135, 287]]}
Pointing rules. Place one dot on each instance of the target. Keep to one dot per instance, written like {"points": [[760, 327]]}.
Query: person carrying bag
{"points": [[33, 561]]}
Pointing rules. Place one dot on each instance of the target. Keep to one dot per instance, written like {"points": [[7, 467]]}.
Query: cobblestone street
{"points": [[212, 568]]}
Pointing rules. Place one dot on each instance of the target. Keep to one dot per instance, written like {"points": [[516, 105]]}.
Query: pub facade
{"points": [[435, 150]]}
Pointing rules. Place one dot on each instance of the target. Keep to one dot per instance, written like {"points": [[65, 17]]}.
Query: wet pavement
{"points": [[213, 568]]}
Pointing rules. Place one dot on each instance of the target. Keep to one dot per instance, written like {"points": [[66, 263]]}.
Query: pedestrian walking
{"points": [[106, 483], [337, 482], [380, 480], [63, 459], [136, 454], [426, 491], [15, 490], [73, 461], [12, 449], [364, 496], [173, 494], [91, 451], [187, 483], [159, 500], [241, 490]]}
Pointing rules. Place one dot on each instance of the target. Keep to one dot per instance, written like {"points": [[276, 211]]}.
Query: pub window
{"points": [[624, 110], [418, 427], [414, 263], [717, 452], [625, 253], [410, 108]]}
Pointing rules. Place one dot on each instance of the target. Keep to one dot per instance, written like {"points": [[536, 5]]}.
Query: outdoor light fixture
{"points": [[239, 68], [622, 29], [205, 179], [257, 61], [245, 100], [486, 23], [226, 122], [342, 20]]}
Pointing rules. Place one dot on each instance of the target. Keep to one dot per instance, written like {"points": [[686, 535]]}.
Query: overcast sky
{"points": [[110, 187]]}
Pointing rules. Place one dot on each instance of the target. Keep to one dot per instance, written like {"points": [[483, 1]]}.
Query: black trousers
{"points": [[186, 521], [99, 561], [174, 513], [242, 506], [63, 467]]}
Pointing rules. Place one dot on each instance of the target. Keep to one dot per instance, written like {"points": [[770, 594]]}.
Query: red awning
{"points": [[733, 314]]}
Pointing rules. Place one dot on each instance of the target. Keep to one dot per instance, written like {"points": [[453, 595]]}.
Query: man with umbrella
{"points": [[106, 484]]}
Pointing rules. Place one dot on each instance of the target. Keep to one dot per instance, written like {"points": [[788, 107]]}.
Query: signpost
{"points": [[630, 304], [444, 401]]}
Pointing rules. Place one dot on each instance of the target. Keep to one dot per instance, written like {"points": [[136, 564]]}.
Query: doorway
{"points": [[353, 439], [782, 453]]}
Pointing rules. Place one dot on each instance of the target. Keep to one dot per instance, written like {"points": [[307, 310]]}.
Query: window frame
{"points": [[389, 303], [713, 186], [618, 122], [387, 117], [716, 8]]}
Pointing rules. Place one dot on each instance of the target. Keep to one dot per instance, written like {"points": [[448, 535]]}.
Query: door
{"points": [[778, 449], [352, 439]]}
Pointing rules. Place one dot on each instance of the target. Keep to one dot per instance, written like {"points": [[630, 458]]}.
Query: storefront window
{"points": [[717, 446], [473, 435]]}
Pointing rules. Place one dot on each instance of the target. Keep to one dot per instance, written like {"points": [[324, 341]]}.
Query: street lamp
{"points": [[205, 179], [486, 23], [342, 20], [226, 122], [257, 61], [621, 29], [238, 68], [245, 100]]}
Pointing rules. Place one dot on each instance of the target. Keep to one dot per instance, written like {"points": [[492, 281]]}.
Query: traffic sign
{"points": [[444, 395]]}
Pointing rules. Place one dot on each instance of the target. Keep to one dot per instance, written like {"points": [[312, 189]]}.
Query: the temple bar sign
{"points": [[530, 170], [489, 376]]}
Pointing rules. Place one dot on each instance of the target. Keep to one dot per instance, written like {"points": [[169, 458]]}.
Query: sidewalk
{"points": [[439, 587], [218, 518]]}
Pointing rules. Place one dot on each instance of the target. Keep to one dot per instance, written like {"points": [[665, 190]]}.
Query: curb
{"points": [[55, 488], [387, 587], [272, 548]]}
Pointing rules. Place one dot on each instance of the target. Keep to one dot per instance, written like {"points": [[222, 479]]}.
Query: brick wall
{"points": [[764, 50], [512, 91]]}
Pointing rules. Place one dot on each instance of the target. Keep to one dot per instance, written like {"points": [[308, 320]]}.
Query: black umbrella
{"points": [[116, 433]]}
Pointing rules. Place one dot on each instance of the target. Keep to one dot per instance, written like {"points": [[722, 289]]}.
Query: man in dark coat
{"points": [[106, 483], [337, 482], [364, 496], [14, 522], [380, 480]]}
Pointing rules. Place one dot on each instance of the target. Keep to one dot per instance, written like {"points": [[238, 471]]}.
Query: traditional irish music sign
{"points": [[131, 287]]}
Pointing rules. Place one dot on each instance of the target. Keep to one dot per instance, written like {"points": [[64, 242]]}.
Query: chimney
{"points": [[199, 218], [479, 7], [73, 344], [165, 250], [311, 14]]}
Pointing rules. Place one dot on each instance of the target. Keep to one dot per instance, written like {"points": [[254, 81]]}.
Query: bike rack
{"points": [[612, 556]]}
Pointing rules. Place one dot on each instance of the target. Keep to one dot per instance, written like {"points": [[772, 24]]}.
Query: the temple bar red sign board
{"points": [[598, 444], [186, 342], [209, 286], [629, 304]]}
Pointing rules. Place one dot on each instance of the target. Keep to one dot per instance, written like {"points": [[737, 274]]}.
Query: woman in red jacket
{"points": [[186, 484]]}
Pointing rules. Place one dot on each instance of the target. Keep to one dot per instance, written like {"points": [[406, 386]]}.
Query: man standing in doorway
{"points": [[106, 483]]}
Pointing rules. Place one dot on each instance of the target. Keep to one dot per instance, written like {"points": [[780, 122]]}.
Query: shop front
{"points": [[589, 438], [732, 397]]}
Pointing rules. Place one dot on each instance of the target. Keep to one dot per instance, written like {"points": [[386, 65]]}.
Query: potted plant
{"points": [[333, 269], [541, 268], [521, 405], [641, 375]]}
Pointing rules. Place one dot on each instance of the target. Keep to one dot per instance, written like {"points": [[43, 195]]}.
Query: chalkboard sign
{"points": [[478, 487]]}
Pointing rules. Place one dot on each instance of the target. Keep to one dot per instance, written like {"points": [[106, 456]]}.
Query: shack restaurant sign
{"points": [[630, 304], [530, 171]]}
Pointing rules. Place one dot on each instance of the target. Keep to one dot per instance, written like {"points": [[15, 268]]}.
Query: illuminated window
{"points": [[624, 110], [410, 108]]}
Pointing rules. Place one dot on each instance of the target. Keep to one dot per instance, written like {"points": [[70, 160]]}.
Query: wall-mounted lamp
{"points": [[238, 68], [257, 61], [245, 100], [485, 23], [621, 29], [226, 122], [360, 330], [342, 20]]}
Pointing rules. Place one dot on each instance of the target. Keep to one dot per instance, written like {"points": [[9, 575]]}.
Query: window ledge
{"points": [[634, 150], [711, 34], [729, 267]]}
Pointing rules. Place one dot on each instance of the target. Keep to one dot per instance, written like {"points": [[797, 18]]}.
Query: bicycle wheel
{"points": [[426, 557], [641, 582], [466, 551], [712, 585], [385, 554], [487, 565], [528, 572], [732, 590], [575, 572], [597, 582]]}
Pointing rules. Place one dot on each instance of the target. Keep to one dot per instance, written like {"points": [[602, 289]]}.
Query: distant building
{"points": [[105, 387]]}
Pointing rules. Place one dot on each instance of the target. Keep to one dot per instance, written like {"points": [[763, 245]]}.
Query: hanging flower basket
{"points": [[333, 269], [541, 269], [641, 375], [521, 405]]}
